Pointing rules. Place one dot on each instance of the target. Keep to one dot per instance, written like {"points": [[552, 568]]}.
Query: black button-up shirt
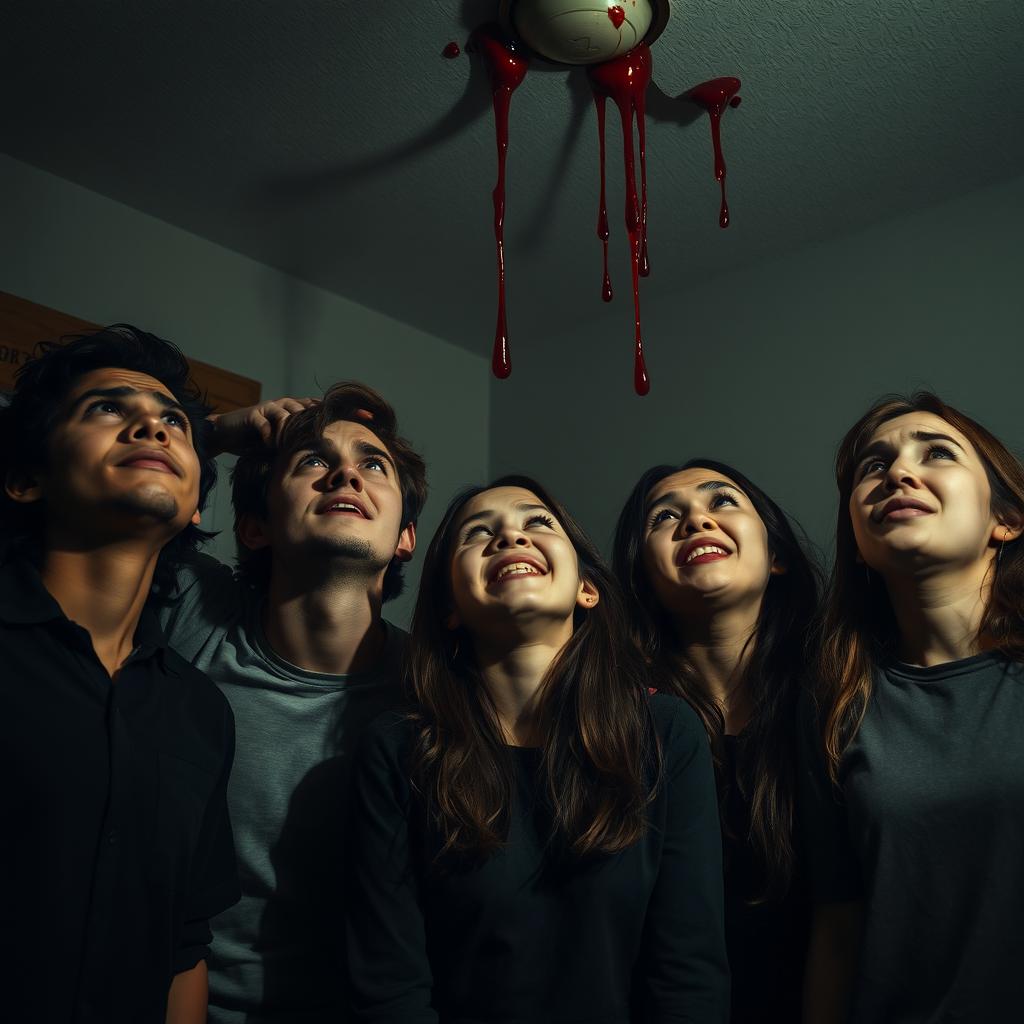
{"points": [[115, 844]]}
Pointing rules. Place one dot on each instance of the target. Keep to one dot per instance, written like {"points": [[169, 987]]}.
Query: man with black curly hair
{"points": [[114, 751]]}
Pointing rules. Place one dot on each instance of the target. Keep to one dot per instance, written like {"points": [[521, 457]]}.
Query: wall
{"points": [[766, 368], [76, 251]]}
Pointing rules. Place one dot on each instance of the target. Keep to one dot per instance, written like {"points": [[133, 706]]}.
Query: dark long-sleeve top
{"points": [[634, 937]]}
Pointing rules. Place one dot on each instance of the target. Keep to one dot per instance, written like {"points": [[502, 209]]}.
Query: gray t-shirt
{"points": [[928, 831], [277, 955]]}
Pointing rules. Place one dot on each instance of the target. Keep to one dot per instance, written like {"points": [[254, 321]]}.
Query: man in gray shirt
{"points": [[325, 516]]}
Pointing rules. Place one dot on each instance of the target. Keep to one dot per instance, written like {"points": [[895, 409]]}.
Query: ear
{"points": [[406, 543], [196, 518], [252, 532], [1005, 532], [22, 488], [587, 596], [778, 568]]}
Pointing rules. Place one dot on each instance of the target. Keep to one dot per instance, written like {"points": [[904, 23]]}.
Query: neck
{"points": [[103, 590], [331, 626], [719, 650], [939, 614], [512, 674]]}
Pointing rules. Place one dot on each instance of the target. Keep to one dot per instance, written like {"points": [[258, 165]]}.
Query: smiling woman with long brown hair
{"points": [[721, 593], [914, 775], [538, 839]]}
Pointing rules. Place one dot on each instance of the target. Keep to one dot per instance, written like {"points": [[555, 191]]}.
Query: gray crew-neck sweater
{"points": [[277, 957]]}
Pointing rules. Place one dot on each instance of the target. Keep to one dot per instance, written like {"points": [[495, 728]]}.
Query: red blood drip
{"points": [[625, 80], [602, 215], [617, 16], [451, 51], [714, 96], [735, 102], [507, 69]]}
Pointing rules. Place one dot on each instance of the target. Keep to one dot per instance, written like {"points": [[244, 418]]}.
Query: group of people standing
{"points": [[699, 785]]}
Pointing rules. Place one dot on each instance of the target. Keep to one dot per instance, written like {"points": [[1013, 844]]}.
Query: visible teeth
{"points": [[344, 506], [517, 569], [706, 550]]}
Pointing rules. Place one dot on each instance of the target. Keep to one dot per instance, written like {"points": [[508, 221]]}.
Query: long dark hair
{"points": [[773, 673], [859, 629], [600, 756]]}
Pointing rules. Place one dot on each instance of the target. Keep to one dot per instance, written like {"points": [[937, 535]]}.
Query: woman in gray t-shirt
{"points": [[913, 770]]}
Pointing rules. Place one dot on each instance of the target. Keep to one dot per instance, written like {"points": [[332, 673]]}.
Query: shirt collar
{"points": [[25, 601]]}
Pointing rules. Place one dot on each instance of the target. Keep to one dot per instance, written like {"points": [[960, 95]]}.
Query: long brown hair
{"points": [[600, 758], [767, 771], [859, 628]]}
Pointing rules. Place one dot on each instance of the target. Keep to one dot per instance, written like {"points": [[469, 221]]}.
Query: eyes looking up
{"points": [[374, 463], [108, 407], [662, 514], [479, 531], [875, 465]]}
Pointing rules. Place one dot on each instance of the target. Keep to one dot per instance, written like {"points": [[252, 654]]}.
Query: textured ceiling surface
{"points": [[332, 140]]}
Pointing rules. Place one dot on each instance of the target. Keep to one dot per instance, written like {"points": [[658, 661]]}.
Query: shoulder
{"points": [[681, 733], [193, 690], [674, 719], [389, 737]]}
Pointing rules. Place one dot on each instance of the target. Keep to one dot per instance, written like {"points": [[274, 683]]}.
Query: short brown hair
{"points": [[346, 400]]}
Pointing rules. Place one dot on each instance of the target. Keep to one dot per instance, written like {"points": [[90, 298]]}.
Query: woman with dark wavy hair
{"points": [[721, 593], [915, 764], [538, 839]]}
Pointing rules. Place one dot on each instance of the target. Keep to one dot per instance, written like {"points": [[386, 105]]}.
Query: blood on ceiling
{"points": [[613, 41]]}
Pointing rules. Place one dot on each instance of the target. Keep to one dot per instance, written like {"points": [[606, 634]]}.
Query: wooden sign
{"points": [[23, 323]]}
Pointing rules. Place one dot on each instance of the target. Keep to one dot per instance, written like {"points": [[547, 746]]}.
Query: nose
{"points": [[900, 474], [510, 536], [696, 521], [149, 426], [346, 473]]}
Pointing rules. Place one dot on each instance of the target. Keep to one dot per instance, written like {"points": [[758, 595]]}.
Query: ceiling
{"points": [[333, 140]]}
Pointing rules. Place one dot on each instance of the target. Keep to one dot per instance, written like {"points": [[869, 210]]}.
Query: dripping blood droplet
{"points": [[714, 96], [507, 69], [602, 213], [735, 102], [451, 51], [617, 16], [625, 80]]}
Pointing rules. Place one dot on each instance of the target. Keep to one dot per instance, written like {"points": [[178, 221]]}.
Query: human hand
{"points": [[240, 429]]}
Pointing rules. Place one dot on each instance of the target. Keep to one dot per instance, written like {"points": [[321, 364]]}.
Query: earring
{"points": [[999, 552]]}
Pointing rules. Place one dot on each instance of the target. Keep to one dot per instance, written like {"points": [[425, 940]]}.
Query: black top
{"points": [[766, 937], [115, 847], [928, 831], [633, 937]]}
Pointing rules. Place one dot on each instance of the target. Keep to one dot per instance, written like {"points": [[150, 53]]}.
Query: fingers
{"points": [[270, 417]]}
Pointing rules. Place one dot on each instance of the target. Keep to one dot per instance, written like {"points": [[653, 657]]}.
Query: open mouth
{"points": [[516, 570], [698, 554], [343, 508]]}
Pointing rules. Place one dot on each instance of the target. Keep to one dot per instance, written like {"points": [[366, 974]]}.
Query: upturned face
{"points": [[121, 461], [705, 548], [921, 497], [513, 564], [339, 496]]}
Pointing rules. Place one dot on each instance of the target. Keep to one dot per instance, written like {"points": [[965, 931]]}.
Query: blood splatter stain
{"points": [[617, 16], [451, 51]]}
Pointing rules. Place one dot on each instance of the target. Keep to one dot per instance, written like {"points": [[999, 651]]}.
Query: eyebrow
{"points": [[522, 506], [672, 497], [126, 392], [366, 448]]}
